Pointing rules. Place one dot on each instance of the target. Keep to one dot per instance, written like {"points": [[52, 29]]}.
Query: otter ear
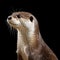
{"points": [[31, 18], [18, 16]]}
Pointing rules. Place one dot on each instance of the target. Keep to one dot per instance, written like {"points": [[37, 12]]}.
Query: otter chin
{"points": [[30, 44]]}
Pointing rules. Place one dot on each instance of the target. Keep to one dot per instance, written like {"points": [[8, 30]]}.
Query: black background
{"points": [[47, 16]]}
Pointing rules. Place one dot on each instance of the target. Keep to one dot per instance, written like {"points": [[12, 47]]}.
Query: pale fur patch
{"points": [[25, 51], [28, 24], [20, 42], [15, 21]]}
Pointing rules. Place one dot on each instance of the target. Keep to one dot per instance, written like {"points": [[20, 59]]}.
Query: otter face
{"points": [[21, 19], [13, 21]]}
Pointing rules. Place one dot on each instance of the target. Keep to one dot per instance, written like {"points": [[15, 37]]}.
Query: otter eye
{"points": [[18, 16], [31, 18]]}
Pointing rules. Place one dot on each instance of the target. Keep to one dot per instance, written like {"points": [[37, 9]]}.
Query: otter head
{"points": [[26, 24], [22, 21]]}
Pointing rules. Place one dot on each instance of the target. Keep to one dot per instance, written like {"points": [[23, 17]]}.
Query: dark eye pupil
{"points": [[31, 18], [18, 16]]}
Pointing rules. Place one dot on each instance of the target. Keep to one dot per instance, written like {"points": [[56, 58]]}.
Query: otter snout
{"points": [[9, 18]]}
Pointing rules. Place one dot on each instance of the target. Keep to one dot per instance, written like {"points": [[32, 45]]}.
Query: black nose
{"points": [[9, 18]]}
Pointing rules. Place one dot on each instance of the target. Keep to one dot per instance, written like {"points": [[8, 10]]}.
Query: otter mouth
{"points": [[12, 23]]}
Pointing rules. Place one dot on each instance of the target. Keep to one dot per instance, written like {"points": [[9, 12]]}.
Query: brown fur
{"points": [[25, 15], [37, 48]]}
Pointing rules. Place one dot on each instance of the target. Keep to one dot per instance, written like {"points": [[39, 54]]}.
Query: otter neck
{"points": [[33, 37], [29, 37]]}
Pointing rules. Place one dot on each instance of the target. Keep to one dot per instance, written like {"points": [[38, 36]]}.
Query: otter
{"points": [[30, 44]]}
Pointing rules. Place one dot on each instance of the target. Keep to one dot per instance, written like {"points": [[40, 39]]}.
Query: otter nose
{"points": [[9, 18]]}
